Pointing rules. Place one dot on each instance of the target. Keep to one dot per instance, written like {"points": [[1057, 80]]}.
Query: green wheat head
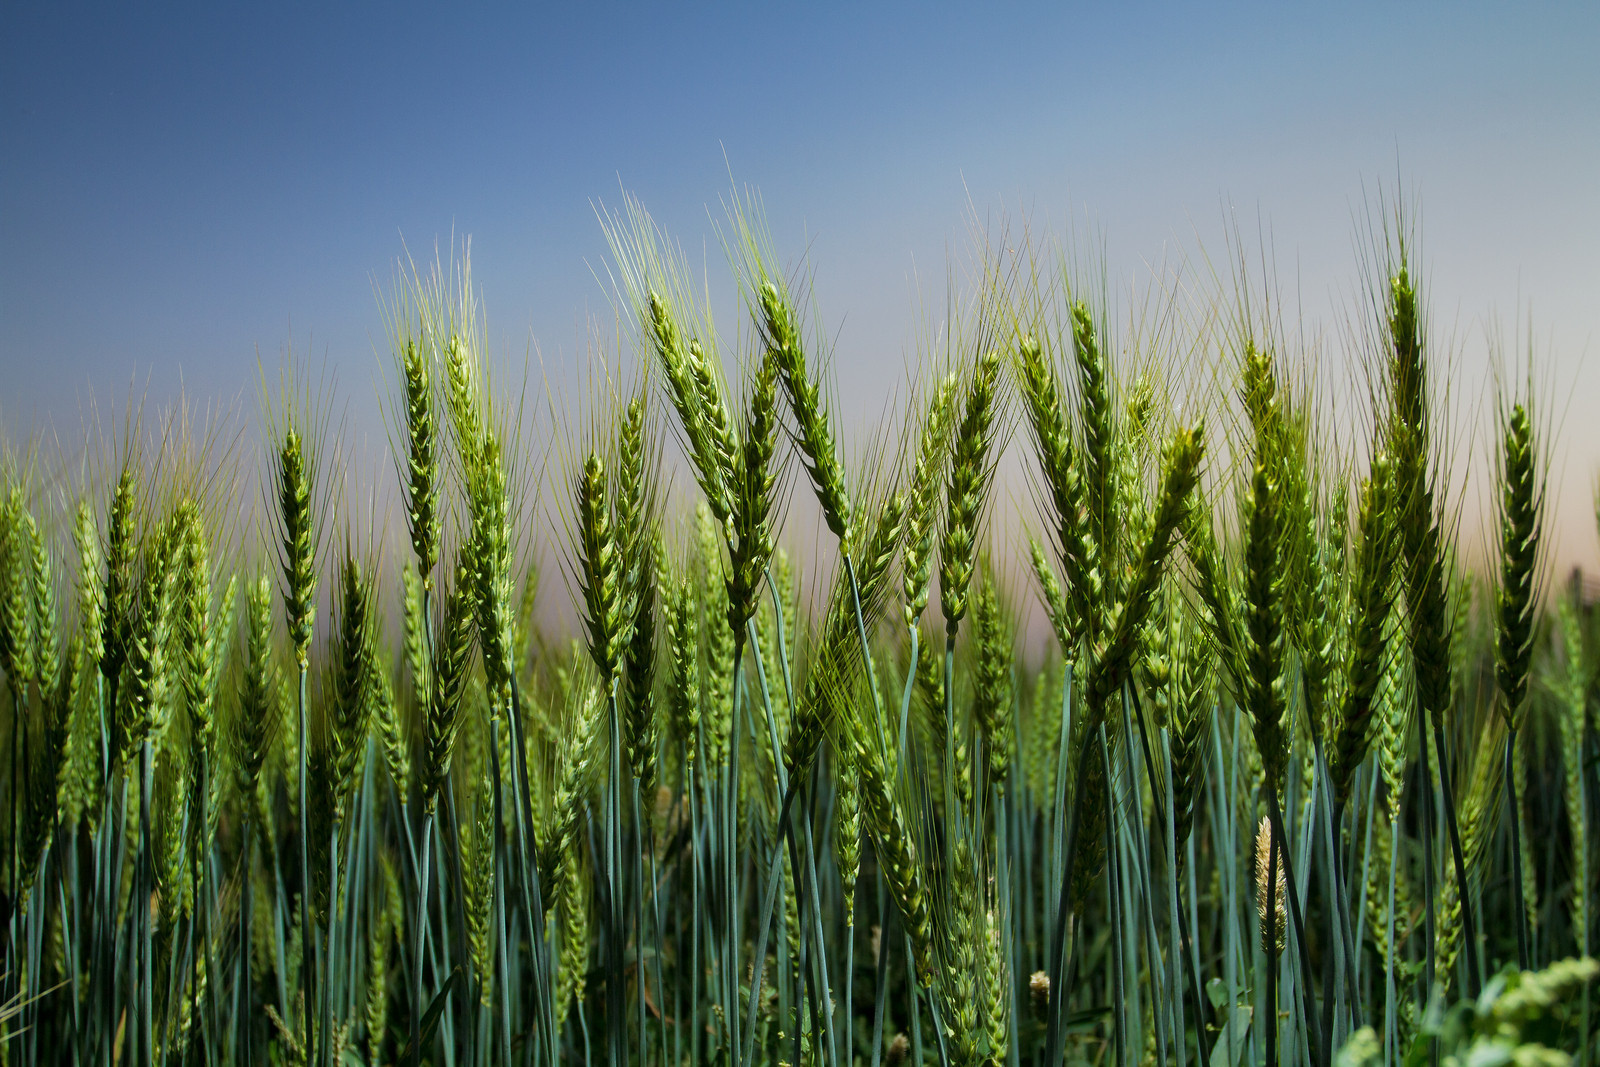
{"points": [[1520, 506], [971, 468]]}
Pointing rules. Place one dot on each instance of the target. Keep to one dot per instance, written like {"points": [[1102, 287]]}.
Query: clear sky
{"points": [[182, 187]]}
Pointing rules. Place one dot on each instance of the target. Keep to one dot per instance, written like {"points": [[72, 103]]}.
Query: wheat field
{"points": [[1290, 786]]}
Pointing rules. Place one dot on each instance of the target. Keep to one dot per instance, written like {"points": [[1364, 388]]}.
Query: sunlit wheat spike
{"points": [[355, 676], [635, 489], [461, 397], [876, 553], [488, 558], [39, 571], [1156, 656], [781, 334], [847, 829], [385, 713], [1217, 594], [121, 552], [1055, 602], [992, 679], [1258, 390], [963, 947], [1181, 472], [416, 635], [714, 412], [150, 668], [1521, 491], [996, 985], [202, 634], [44, 807], [1264, 654], [1059, 465], [197, 631], [1375, 560], [525, 624], [260, 690], [639, 721], [756, 481], [683, 651], [1393, 698], [897, 855], [18, 535], [1479, 803], [1099, 428], [705, 449], [421, 463], [1427, 561], [478, 882], [792, 936], [1430, 626], [600, 568], [1193, 704], [711, 591], [90, 590], [297, 557], [1407, 367], [927, 476], [1573, 685], [1411, 444], [971, 468], [577, 765], [1311, 608], [572, 912], [384, 926], [452, 659]]}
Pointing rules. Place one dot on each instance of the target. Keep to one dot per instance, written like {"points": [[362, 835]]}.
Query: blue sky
{"points": [[184, 187]]}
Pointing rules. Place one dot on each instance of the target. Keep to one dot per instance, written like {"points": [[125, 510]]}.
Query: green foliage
{"points": [[1522, 1017]]}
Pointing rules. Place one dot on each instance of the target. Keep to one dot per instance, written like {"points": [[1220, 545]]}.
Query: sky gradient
{"points": [[183, 189]]}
